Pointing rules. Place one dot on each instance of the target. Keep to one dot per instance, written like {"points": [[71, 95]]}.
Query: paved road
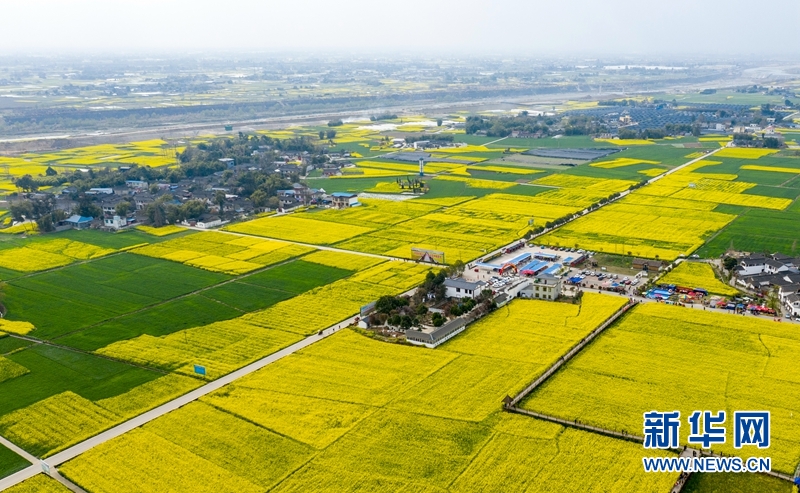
{"points": [[692, 306], [196, 394], [678, 168], [22, 453], [159, 411]]}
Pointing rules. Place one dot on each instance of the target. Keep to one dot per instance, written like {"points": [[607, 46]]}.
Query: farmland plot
{"points": [[649, 361]]}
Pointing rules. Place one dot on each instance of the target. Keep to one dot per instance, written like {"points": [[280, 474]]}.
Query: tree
{"points": [[321, 135], [259, 199], [87, 208], [273, 203], [156, 213], [50, 171], [219, 199], [774, 300], [437, 319], [193, 209], [27, 183], [122, 209], [22, 211], [729, 263], [331, 134], [45, 224], [438, 122], [456, 269], [388, 303]]}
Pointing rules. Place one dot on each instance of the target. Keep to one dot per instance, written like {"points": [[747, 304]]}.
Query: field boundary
{"points": [[512, 402], [148, 416]]}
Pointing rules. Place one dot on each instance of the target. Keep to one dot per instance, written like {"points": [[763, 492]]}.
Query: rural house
{"points": [[460, 288], [343, 200]]}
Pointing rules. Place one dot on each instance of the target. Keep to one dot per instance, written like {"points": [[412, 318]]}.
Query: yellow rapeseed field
{"points": [[776, 169], [332, 304], [349, 261], [643, 231], [55, 423], [149, 395], [157, 465], [221, 347], [621, 162], [220, 252], [538, 456], [27, 227], [10, 369], [744, 153], [162, 231], [295, 227], [246, 449], [575, 181], [12, 327], [651, 172], [39, 484], [364, 415], [478, 183], [641, 364], [43, 255], [535, 331]]}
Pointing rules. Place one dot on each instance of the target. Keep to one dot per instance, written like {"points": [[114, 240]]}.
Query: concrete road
{"points": [[159, 411]]}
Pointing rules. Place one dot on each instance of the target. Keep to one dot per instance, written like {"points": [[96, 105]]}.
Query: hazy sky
{"points": [[535, 27]]}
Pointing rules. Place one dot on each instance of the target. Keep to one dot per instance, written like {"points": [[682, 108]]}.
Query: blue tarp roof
{"points": [[534, 266], [343, 194], [576, 279], [553, 268], [661, 292], [79, 219], [519, 258], [568, 260], [546, 255]]}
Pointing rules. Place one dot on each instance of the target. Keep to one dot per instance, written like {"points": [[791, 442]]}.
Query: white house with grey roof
{"points": [[460, 288], [792, 303], [432, 338]]}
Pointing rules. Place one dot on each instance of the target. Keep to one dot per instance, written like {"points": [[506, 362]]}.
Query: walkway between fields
{"points": [[161, 410], [512, 403], [678, 168], [36, 464], [622, 194]]}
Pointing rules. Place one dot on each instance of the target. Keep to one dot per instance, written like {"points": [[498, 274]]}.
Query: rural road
{"points": [[159, 411], [691, 306], [678, 168], [118, 430]]}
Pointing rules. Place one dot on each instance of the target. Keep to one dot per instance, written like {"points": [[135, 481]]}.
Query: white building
{"points": [[792, 304], [432, 338], [753, 264], [544, 287], [211, 222], [343, 200], [115, 222], [774, 266], [460, 288]]}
